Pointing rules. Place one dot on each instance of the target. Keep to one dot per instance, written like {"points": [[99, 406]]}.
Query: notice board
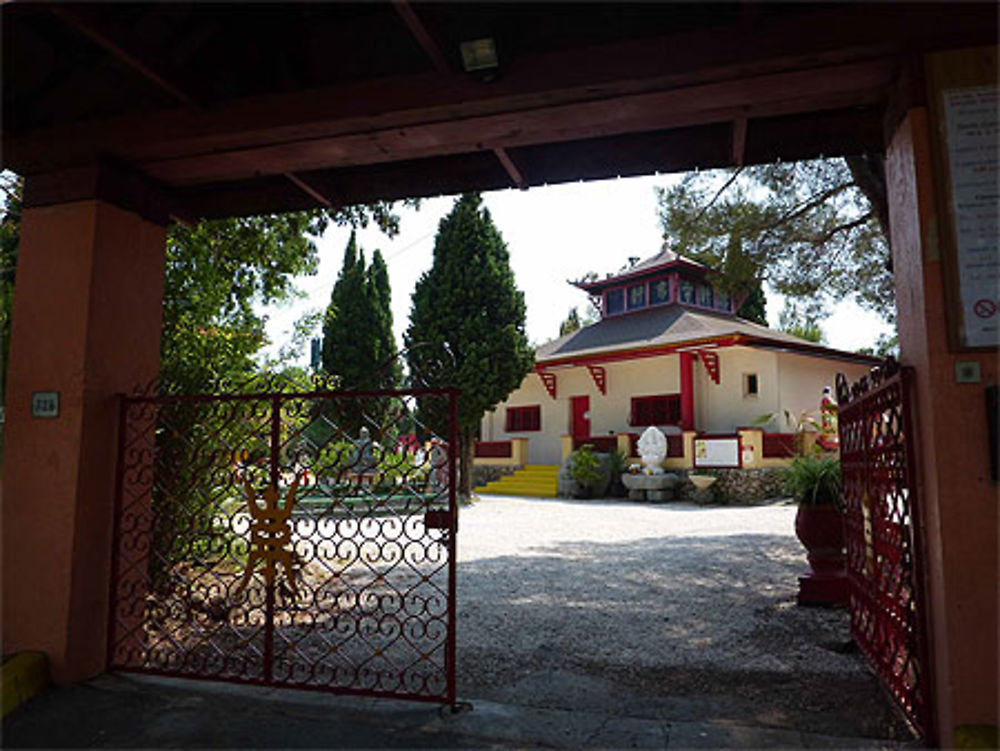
{"points": [[717, 452], [964, 98]]}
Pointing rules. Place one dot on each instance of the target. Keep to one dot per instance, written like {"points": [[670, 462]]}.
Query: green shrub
{"points": [[585, 468], [814, 480]]}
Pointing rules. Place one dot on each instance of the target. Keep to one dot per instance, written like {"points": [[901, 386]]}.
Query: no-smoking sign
{"points": [[985, 308]]}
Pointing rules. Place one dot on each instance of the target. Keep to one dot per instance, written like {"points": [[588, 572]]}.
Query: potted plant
{"points": [[813, 480], [617, 466], [585, 468]]}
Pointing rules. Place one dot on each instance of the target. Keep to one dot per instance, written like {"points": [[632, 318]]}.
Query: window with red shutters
{"points": [[662, 409], [521, 419]]}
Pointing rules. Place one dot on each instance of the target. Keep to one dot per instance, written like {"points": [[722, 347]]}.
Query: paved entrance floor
{"points": [[581, 625]]}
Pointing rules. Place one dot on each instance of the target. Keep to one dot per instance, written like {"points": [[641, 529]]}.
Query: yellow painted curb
{"points": [[22, 675], [976, 736]]}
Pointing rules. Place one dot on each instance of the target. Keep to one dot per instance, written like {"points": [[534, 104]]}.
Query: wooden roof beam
{"points": [[83, 21], [763, 96], [309, 189], [810, 40], [421, 35], [511, 168], [739, 140]]}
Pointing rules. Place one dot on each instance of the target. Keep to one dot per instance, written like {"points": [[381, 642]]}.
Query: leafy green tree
{"points": [[754, 308], [812, 230], [886, 345], [571, 324], [801, 321], [467, 323], [10, 237], [217, 272]]}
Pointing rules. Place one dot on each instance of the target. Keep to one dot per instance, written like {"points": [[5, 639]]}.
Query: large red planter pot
{"points": [[821, 530]]}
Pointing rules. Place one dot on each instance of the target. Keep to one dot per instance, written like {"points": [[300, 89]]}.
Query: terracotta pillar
{"points": [[687, 390], [960, 503], [86, 324]]}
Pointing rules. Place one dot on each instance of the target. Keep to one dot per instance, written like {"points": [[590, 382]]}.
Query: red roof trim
{"points": [[637, 353], [731, 340]]}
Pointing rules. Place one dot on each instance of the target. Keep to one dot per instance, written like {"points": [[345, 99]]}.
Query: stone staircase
{"points": [[536, 480]]}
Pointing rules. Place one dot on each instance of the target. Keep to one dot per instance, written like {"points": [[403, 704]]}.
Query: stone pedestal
{"points": [[650, 487]]}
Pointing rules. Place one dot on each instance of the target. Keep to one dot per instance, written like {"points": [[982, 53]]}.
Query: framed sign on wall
{"points": [[723, 452], [964, 98]]}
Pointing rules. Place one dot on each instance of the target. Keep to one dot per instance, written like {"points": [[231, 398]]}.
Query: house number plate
{"points": [[45, 404]]}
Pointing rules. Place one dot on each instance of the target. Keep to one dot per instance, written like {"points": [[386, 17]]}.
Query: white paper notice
{"points": [[717, 452], [973, 134]]}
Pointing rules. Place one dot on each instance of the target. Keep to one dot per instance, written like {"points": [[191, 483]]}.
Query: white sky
{"points": [[553, 234]]}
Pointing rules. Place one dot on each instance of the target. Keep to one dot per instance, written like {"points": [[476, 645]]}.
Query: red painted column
{"points": [[960, 514], [86, 323], [687, 390]]}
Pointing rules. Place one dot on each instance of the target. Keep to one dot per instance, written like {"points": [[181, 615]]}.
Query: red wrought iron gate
{"points": [[297, 539], [884, 537]]}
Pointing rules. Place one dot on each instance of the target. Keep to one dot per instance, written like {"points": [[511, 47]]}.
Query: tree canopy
{"points": [[801, 321], [813, 230], [467, 321]]}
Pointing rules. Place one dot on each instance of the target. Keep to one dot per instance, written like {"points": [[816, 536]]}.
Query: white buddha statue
{"points": [[652, 450]]}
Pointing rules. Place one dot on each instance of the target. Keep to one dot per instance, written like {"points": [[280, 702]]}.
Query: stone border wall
{"points": [[736, 487]]}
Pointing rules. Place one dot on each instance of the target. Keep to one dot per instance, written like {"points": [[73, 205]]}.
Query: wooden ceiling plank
{"points": [[86, 25], [421, 35]]}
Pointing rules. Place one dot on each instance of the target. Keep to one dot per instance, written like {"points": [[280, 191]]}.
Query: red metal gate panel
{"points": [[288, 539], [883, 535]]}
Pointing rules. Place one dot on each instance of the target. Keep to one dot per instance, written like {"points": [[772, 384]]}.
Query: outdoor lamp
{"points": [[480, 55]]}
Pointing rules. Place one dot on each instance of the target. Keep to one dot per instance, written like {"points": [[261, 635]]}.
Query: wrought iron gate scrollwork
{"points": [[883, 535], [291, 538]]}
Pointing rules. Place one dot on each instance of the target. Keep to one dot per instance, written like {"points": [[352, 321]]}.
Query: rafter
{"points": [[84, 23], [421, 35], [511, 168], [309, 189], [739, 140]]}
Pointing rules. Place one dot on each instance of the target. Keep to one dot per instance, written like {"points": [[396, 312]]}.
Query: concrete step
{"points": [[536, 480]]}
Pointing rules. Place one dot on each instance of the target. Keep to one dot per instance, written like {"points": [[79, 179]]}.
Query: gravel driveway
{"points": [[672, 612]]}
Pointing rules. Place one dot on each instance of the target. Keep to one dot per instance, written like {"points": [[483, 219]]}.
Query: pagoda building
{"points": [[669, 350]]}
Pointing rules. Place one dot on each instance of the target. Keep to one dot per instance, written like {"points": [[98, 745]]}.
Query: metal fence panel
{"points": [[883, 535], [297, 539]]}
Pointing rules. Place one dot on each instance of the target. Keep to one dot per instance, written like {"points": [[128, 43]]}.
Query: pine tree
{"points": [[814, 230], [571, 324], [467, 324]]}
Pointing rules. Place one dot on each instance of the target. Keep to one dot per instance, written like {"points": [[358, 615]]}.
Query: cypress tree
{"points": [[358, 344], [467, 323]]}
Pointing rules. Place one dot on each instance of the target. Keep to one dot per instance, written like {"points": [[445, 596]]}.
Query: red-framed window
{"points": [[662, 409], [523, 418]]}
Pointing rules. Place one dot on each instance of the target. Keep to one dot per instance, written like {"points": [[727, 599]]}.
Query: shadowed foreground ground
{"points": [[671, 612]]}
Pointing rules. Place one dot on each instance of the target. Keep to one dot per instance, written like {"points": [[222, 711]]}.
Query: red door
{"points": [[580, 416]]}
